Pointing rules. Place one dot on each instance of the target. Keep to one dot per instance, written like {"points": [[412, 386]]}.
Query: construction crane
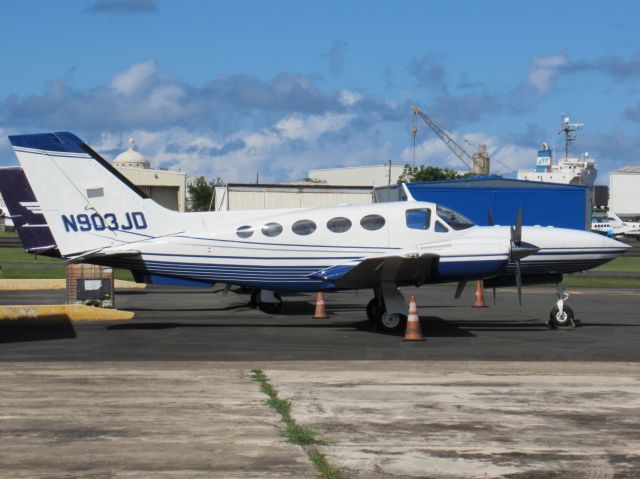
{"points": [[478, 163]]}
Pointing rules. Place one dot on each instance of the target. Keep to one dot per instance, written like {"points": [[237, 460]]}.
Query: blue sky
{"points": [[235, 88]]}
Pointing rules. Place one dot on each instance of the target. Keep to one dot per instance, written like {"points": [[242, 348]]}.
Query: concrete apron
{"points": [[382, 419], [471, 420], [140, 420]]}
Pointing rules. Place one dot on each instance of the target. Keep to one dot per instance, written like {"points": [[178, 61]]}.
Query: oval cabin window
{"points": [[339, 225], [303, 227], [372, 222], [272, 229], [244, 231]]}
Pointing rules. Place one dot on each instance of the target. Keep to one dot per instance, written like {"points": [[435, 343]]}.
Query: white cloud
{"points": [[506, 157], [134, 78], [283, 152], [349, 98], [543, 71], [310, 128]]}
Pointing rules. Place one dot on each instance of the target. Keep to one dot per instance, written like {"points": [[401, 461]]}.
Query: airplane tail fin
{"points": [[87, 203], [616, 219], [24, 211]]}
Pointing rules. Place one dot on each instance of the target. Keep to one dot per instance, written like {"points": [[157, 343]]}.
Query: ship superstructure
{"points": [[569, 170]]}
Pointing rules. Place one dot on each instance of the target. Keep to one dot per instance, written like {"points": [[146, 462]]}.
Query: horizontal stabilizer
{"points": [[369, 273]]}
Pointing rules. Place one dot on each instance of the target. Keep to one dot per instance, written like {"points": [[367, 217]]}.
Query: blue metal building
{"points": [[544, 204]]}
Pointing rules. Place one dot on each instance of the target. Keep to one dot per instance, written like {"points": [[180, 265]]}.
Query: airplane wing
{"points": [[371, 272]]}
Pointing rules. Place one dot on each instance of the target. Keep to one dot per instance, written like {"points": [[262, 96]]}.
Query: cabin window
{"points": [[454, 219], [418, 219], [440, 228], [372, 222], [272, 229], [339, 224], [244, 231], [303, 227]]}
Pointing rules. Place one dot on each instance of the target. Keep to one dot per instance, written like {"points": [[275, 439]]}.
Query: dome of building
{"points": [[131, 158]]}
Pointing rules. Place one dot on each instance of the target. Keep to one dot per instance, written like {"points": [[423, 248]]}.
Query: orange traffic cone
{"points": [[413, 331], [479, 302], [321, 311]]}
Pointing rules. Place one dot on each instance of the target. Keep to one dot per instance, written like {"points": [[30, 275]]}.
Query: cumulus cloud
{"points": [[134, 78], [543, 71], [123, 6], [349, 98], [232, 126]]}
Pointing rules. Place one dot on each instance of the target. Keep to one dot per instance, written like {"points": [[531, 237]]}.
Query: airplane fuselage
{"points": [[281, 250]]}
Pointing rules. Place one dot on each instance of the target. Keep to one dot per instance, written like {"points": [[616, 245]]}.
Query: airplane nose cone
{"points": [[613, 243]]}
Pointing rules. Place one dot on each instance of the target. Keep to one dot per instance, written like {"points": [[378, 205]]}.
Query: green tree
{"points": [[202, 193], [429, 173]]}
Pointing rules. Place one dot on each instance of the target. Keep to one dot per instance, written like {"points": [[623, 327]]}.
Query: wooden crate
{"points": [[88, 273]]}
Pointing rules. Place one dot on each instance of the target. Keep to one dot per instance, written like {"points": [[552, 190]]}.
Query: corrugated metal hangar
{"points": [[251, 196], [544, 204], [624, 191], [370, 175]]}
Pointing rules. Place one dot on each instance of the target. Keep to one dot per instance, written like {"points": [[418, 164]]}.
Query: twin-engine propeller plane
{"points": [[96, 215]]}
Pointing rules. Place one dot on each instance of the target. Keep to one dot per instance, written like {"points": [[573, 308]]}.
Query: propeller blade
{"points": [[489, 217], [460, 289], [517, 237], [519, 282], [494, 295]]}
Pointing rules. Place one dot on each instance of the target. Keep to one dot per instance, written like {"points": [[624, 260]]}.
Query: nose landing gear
{"points": [[561, 315]]}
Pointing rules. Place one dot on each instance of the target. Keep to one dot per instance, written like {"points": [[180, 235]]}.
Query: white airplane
{"points": [[96, 215], [615, 227]]}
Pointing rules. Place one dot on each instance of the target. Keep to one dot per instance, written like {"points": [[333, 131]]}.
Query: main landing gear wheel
{"points": [[265, 306], [559, 319], [388, 322], [372, 310]]}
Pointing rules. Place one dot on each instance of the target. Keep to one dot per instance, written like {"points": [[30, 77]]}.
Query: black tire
{"points": [[272, 308], [372, 307], [564, 319], [384, 323], [253, 301]]}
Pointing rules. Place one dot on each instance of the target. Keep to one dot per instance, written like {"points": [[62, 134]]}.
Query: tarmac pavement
{"points": [[491, 393]]}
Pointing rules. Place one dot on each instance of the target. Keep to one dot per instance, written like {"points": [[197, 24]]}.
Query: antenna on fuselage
{"points": [[407, 193]]}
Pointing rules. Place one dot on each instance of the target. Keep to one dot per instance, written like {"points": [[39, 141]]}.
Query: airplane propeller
{"points": [[519, 250]]}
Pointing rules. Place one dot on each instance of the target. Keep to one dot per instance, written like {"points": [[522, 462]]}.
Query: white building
{"points": [[250, 196], [372, 175], [624, 191], [165, 187]]}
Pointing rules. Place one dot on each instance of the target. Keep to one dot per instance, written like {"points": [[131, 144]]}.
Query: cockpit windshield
{"points": [[454, 219]]}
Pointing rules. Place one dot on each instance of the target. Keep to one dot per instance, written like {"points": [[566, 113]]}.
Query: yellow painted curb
{"points": [[73, 312], [37, 284]]}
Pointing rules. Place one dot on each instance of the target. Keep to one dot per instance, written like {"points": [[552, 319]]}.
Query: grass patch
{"points": [[18, 255], [621, 264], [295, 433], [586, 282], [8, 234], [326, 470], [300, 435]]}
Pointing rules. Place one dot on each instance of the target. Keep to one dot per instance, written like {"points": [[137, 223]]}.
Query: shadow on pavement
{"points": [[44, 328]]}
